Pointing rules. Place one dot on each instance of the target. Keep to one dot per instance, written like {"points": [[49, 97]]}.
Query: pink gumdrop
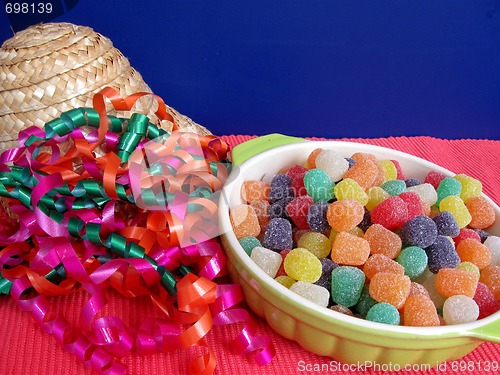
{"points": [[400, 175], [434, 178], [391, 213], [297, 173], [281, 270], [414, 203], [297, 210], [466, 233], [486, 301]]}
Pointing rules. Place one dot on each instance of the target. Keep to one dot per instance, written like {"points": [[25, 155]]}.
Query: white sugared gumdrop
{"points": [[269, 261], [460, 309], [332, 163], [426, 192], [312, 292], [493, 243]]}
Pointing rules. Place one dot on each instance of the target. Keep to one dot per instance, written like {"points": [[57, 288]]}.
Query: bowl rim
{"points": [[323, 313]]}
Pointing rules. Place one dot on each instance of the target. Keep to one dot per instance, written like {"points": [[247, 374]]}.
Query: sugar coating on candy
{"points": [[490, 276], [364, 172], [254, 191], [365, 302], [391, 288], [345, 214], [381, 263], [284, 280], [420, 231], [327, 266], [317, 243], [333, 164], [383, 312], [319, 185], [460, 309], [412, 182], [426, 192], [348, 249], [342, 309], [493, 244], [376, 195], [394, 187], [417, 288], [414, 203], [389, 169], [350, 189], [278, 208], [470, 187], [244, 221], [442, 254], [482, 234], [312, 292], [481, 211], [366, 222], [434, 178], [297, 173], [430, 285], [311, 159], [391, 213], [466, 233], [316, 217], [268, 261], [419, 311], [414, 261], [248, 243], [278, 235], [297, 210], [281, 270], [486, 301], [452, 281], [400, 173], [448, 187], [360, 156], [470, 250], [261, 209], [383, 241], [347, 283], [281, 188], [302, 265], [446, 224], [457, 208], [471, 268]]}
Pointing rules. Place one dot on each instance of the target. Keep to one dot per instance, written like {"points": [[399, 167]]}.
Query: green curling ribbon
{"points": [[5, 286]]}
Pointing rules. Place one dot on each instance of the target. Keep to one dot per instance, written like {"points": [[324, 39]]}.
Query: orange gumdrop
{"points": [[391, 288], [482, 212], [452, 282], [345, 214], [254, 191], [419, 311], [383, 241], [417, 288], [349, 249], [360, 156], [470, 250], [364, 172], [381, 263], [311, 159], [490, 276], [244, 221], [261, 209]]}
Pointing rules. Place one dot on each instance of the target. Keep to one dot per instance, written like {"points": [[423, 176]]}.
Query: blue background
{"points": [[312, 67]]}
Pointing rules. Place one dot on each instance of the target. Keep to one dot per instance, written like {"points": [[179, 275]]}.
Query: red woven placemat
{"points": [[25, 349]]}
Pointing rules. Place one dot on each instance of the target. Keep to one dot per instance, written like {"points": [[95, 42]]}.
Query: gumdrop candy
{"points": [[417, 288], [281, 188], [278, 235], [284, 280], [364, 172], [457, 208], [381, 263], [348, 249], [366, 222], [317, 243], [342, 309], [333, 164], [414, 261], [466, 233], [389, 170], [470, 250], [394, 187], [471, 268], [319, 185], [391, 213], [244, 221], [316, 217], [430, 285], [448, 187], [482, 234], [420, 231], [281, 270], [350, 189], [451, 282], [391, 288], [412, 182], [345, 214], [347, 283], [486, 301], [493, 243], [302, 265], [254, 191], [360, 156], [434, 178], [261, 209], [248, 243], [297, 173], [267, 260], [419, 311], [311, 159], [470, 187], [460, 309], [400, 174], [278, 208], [490, 276], [376, 195], [351, 162], [383, 241], [442, 254], [413, 202], [297, 210], [365, 302], [327, 266], [383, 312], [426, 192], [446, 224], [481, 211], [312, 292]]}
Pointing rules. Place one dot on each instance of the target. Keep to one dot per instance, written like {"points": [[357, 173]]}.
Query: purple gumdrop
{"points": [[420, 231], [278, 208], [446, 224], [316, 216], [278, 235], [442, 254], [327, 266], [281, 188], [412, 182]]}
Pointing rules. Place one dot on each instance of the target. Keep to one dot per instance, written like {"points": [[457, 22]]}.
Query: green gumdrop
{"points": [[365, 302], [394, 187], [447, 187], [347, 284], [383, 312], [248, 243], [414, 260], [319, 185]]}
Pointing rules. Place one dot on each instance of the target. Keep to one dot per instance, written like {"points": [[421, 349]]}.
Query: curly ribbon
{"points": [[88, 221]]}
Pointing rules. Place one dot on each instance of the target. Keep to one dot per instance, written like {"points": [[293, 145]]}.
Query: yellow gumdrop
{"points": [[286, 281], [390, 171], [470, 187], [333, 234], [350, 189], [317, 243], [470, 267], [302, 265], [376, 195], [457, 208], [357, 231]]}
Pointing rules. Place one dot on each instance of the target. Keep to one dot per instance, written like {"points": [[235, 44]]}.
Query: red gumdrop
{"points": [[486, 301], [297, 210], [281, 270], [391, 213], [401, 175], [434, 178], [297, 173], [414, 203], [466, 233]]}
